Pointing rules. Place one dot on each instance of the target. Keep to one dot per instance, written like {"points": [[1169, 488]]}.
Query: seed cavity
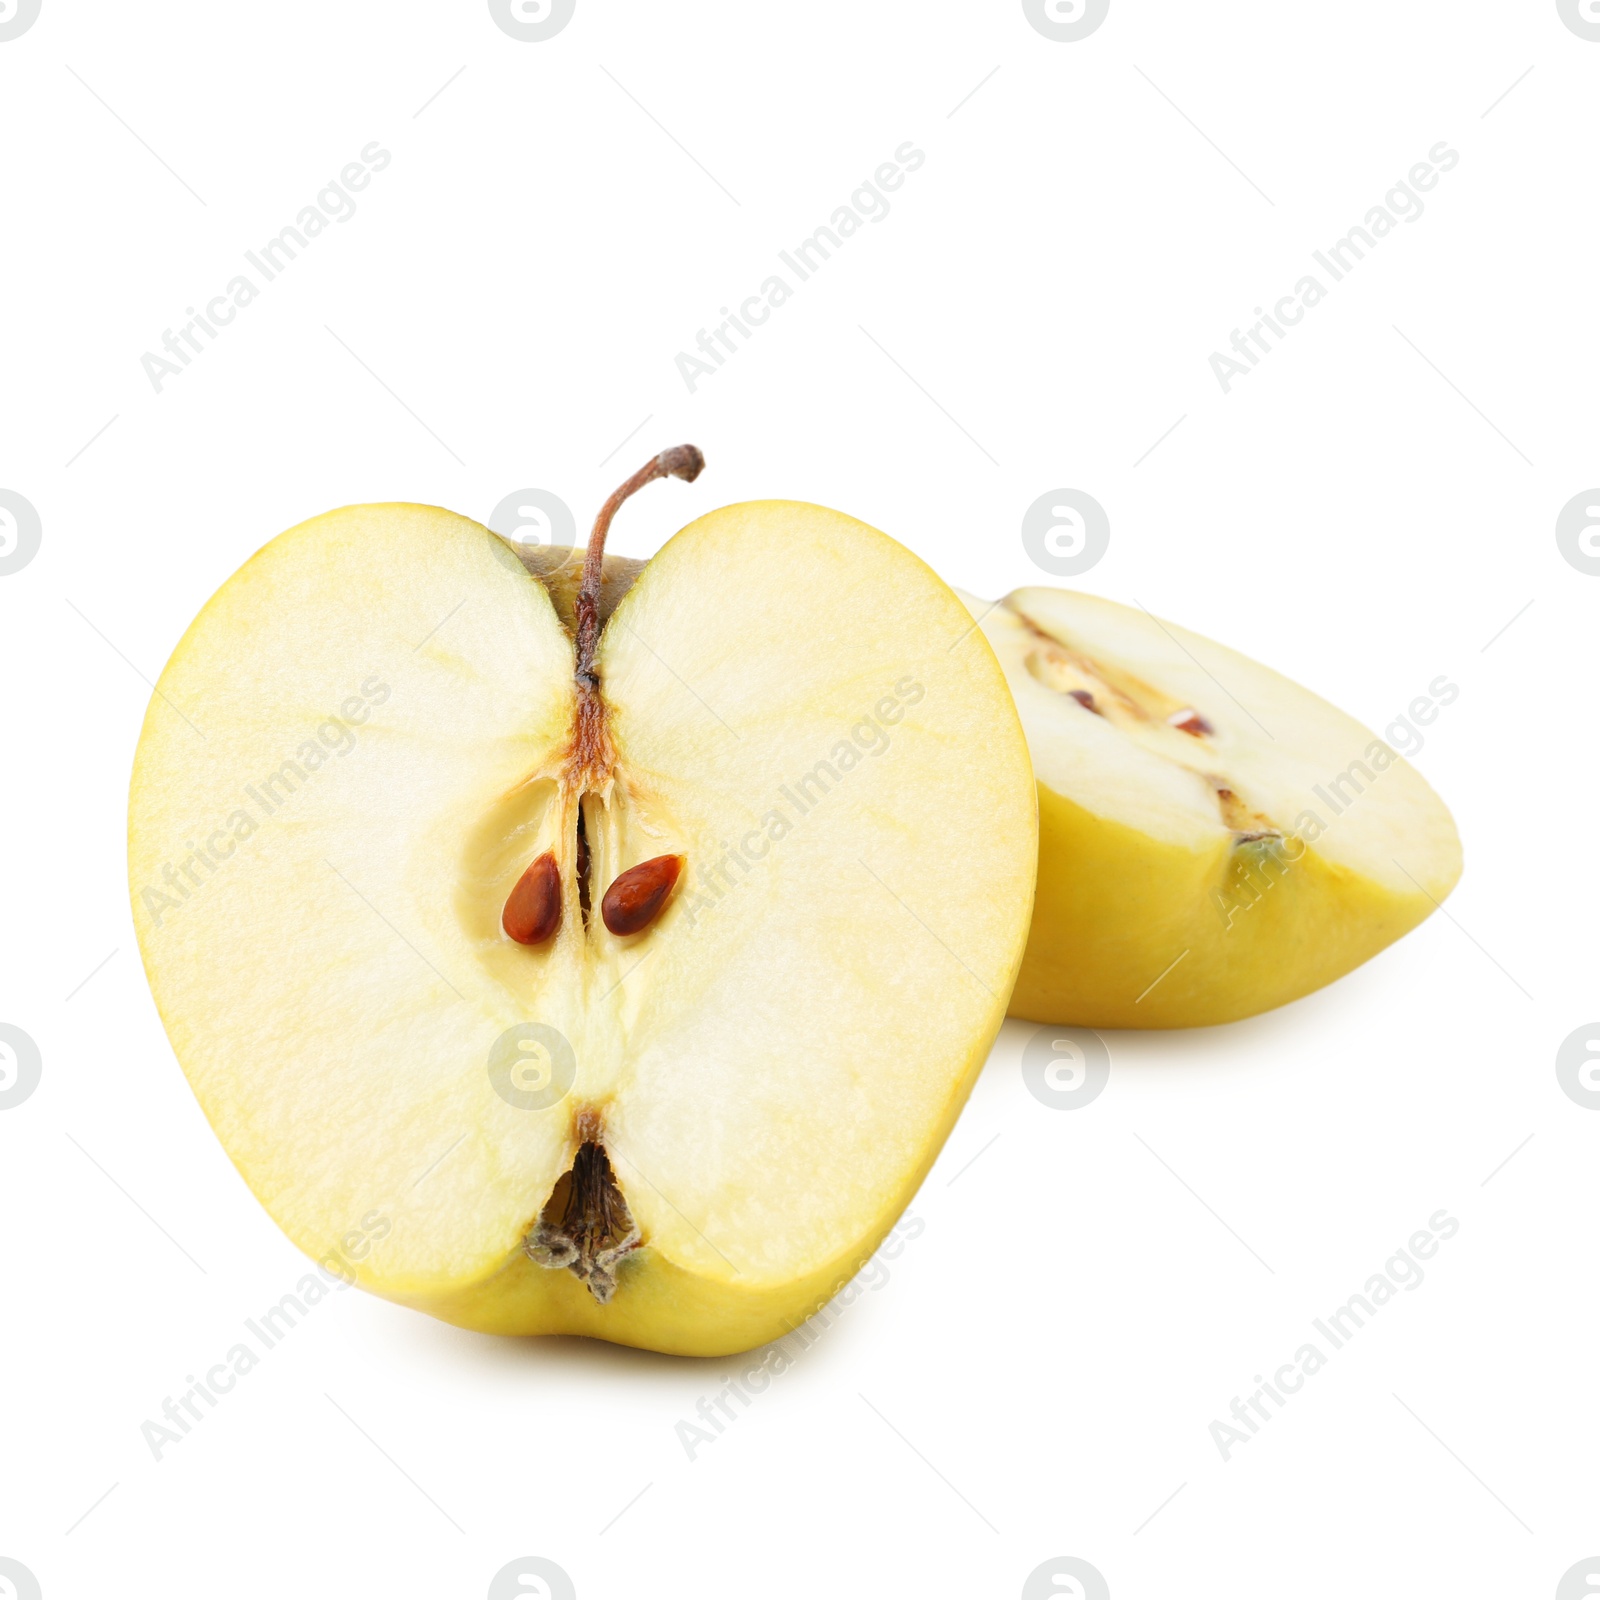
{"points": [[586, 1226], [1246, 823], [533, 909], [1189, 720], [1085, 699], [635, 899], [583, 866]]}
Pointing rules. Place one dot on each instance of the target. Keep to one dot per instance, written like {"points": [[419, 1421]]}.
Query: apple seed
{"points": [[635, 899], [533, 908]]}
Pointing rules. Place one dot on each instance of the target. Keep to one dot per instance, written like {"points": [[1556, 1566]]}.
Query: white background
{"points": [[1369, 509]]}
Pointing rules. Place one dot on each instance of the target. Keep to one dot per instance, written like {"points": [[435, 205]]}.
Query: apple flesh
{"points": [[684, 1137], [1214, 840]]}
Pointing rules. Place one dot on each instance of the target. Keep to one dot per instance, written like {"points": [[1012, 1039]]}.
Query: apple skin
{"points": [[664, 1308], [1113, 909]]}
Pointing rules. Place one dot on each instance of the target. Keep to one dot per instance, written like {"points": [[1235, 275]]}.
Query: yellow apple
{"points": [[618, 977], [1214, 840]]}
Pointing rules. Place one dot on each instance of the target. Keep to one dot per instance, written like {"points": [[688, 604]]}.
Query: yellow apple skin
{"points": [[1114, 909], [664, 1308], [659, 1305]]}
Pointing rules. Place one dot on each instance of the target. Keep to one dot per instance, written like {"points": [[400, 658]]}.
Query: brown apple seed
{"points": [[635, 899], [533, 908]]}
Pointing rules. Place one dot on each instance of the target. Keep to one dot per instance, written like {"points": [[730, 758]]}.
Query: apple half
{"points": [[619, 976], [1214, 840]]}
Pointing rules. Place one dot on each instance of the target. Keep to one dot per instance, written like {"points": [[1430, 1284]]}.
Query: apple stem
{"points": [[681, 461]]}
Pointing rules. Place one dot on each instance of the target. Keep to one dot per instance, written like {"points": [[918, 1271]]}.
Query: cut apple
{"points": [[617, 980], [1214, 840]]}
